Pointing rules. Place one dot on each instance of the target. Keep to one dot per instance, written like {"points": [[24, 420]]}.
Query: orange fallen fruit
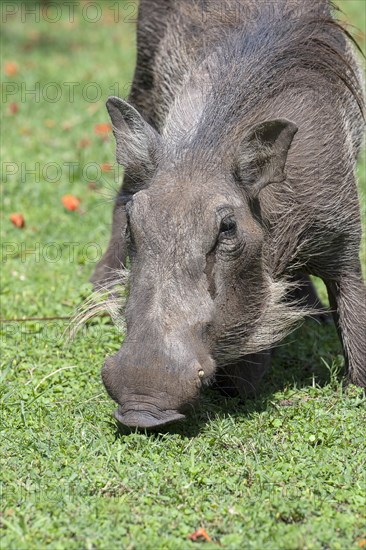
{"points": [[13, 108], [102, 129], [70, 202], [17, 219], [199, 535], [10, 68]]}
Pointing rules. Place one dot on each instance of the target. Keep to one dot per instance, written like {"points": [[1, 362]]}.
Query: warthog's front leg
{"points": [[243, 378], [347, 297], [306, 294]]}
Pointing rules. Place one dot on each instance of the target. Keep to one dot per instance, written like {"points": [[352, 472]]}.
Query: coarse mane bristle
{"points": [[279, 318], [282, 45], [109, 298]]}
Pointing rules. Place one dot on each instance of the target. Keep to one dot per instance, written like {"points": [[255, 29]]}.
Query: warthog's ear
{"points": [[263, 154], [137, 142]]}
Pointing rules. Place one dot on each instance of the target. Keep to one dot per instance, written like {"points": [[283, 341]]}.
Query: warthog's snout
{"points": [[151, 394]]}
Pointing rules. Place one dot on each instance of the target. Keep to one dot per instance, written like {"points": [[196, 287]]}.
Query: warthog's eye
{"points": [[228, 227]]}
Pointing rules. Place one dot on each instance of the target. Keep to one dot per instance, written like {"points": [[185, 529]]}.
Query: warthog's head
{"points": [[199, 291]]}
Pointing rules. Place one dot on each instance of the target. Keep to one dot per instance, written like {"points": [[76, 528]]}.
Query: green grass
{"points": [[286, 471]]}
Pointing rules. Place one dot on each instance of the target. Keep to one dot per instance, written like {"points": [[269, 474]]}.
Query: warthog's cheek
{"points": [[147, 419]]}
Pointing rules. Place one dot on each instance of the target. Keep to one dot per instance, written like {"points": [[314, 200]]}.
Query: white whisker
{"points": [[109, 298]]}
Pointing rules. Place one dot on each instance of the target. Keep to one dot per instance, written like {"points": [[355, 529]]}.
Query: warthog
{"points": [[239, 143]]}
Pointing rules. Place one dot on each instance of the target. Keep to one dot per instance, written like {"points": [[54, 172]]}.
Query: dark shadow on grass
{"points": [[299, 362]]}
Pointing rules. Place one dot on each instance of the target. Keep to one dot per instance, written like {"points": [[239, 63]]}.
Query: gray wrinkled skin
{"points": [[240, 153]]}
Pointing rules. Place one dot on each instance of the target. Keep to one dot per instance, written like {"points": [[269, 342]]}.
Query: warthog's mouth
{"points": [[147, 419]]}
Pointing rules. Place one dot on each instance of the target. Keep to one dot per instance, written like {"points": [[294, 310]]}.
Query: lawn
{"points": [[285, 471]]}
